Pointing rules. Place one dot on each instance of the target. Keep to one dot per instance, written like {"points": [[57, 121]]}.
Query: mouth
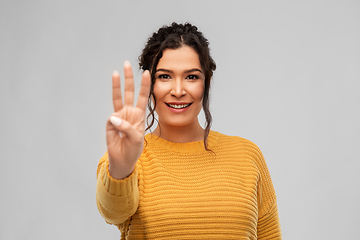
{"points": [[178, 106]]}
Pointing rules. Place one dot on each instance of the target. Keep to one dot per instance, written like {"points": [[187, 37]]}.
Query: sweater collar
{"points": [[188, 147]]}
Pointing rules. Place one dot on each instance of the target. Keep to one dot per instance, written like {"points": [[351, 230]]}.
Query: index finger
{"points": [[144, 91]]}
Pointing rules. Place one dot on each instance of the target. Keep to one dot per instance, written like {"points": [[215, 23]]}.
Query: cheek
{"points": [[160, 90], [198, 91]]}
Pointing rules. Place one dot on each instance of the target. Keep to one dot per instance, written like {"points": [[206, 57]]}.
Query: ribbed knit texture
{"points": [[182, 191]]}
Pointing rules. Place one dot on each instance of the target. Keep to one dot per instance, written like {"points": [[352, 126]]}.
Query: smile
{"points": [[178, 106]]}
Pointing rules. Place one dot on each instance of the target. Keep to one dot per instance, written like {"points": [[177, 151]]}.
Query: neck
{"points": [[180, 134]]}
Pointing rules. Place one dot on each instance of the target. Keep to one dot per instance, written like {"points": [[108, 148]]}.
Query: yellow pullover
{"points": [[182, 191]]}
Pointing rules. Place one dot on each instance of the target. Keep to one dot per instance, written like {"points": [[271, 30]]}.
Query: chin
{"points": [[178, 122]]}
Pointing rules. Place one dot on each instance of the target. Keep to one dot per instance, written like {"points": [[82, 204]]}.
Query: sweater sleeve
{"points": [[268, 226], [116, 200]]}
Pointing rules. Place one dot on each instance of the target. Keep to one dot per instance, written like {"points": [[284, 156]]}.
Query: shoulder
{"points": [[239, 147], [236, 142]]}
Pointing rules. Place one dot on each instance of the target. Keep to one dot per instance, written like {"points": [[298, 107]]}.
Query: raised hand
{"points": [[125, 129]]}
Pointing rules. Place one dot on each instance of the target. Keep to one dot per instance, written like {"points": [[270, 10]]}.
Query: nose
{"points": [[178, 89]]}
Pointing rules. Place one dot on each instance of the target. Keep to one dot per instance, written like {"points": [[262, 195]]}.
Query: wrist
{"points": [[119, 172]]}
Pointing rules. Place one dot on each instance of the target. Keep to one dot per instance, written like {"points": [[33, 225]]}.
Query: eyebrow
{"points": [[187, 71]]}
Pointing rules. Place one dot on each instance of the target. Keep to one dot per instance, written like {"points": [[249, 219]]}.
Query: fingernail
{"points": [[120, 134], [115, 73], [126, 63], [115, 121]]}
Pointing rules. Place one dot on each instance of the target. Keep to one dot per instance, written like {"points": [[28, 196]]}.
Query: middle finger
{"points": [[129, 85]]}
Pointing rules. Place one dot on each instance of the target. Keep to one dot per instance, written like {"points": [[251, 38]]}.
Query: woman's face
{"points": [[179, 87]]}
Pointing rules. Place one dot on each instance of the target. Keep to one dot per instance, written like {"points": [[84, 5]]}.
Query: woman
{"points": [[181, 181]]}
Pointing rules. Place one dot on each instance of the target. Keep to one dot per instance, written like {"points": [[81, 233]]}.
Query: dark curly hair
{"points": [[174, 36]]}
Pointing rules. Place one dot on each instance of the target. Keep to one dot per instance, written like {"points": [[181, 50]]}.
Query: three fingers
{"points": [[129, 89], [120, 124]]}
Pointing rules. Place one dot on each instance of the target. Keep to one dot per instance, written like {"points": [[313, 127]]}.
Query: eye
{"points": [[193, 77], [163, 76]]}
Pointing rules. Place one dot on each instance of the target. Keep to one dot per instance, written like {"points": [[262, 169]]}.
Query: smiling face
{"points": [[179, 87]]}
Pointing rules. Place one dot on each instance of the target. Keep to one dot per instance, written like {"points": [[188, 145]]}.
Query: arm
{"points": [[268, 226], [117, 193], [116, 200]]}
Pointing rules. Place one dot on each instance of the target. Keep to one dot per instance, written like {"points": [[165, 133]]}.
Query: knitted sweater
{"points": [[182, 191]]}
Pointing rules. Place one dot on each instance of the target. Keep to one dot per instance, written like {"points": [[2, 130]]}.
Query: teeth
{"points": [[179, 106]]}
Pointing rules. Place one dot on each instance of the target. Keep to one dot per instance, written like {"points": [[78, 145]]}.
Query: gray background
{"points": [[288, 79]]}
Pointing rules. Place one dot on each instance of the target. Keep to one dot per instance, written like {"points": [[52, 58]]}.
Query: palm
{"points": [[125, 142]]}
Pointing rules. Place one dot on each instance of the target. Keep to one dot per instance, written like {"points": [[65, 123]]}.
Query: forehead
{"points": [[184, 57]]}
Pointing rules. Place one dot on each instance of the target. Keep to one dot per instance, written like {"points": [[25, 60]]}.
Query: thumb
{"points": [[124, 127]]}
